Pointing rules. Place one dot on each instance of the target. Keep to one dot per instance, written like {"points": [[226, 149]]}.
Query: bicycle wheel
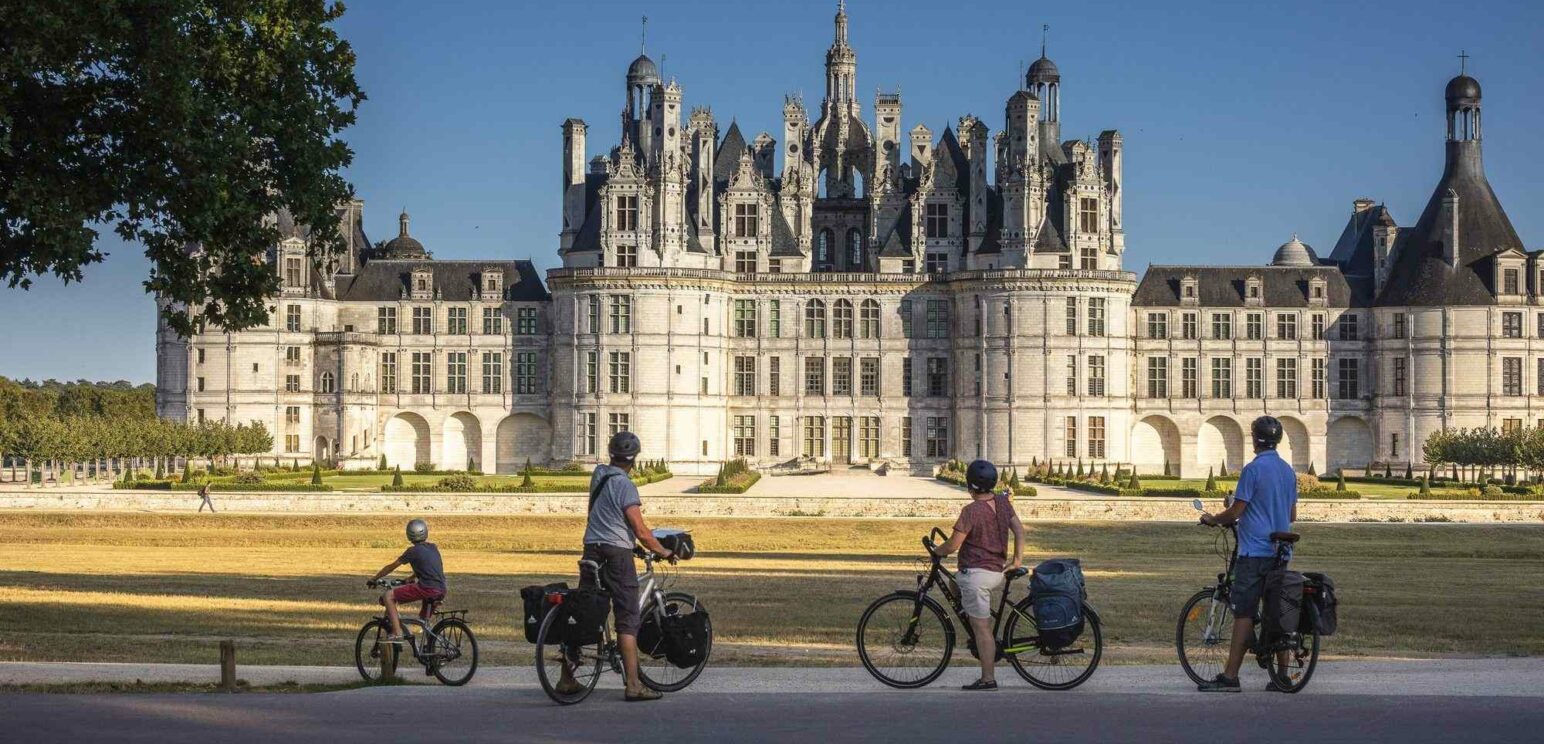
{"points": [[1053, 668], [904, 643], [580, 664], [369, 647], [1204, 633], [1302, 656], [659, 673], [454, 652]]}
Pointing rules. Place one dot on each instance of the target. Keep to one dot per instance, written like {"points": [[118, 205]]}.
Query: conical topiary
{"points": [[1104, 473], [1134, 484], [382, 464], [1166, 466], [1211, 482], [187, 471], [1388, 470], [160, 469], [1080, 468], [316, 474], [1409, 473], [1425, 487], [1340, 481], [1311, 471], [396, 477], [1222, 471]]}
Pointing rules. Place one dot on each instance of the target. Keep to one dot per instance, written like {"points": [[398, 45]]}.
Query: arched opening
{"points": [[856, 260], [519, 438], [1220, 444], [322, 451], [461, 446], [1348, 443], [1154, 442], [1295, 448], [407, 441], [825, 246]]}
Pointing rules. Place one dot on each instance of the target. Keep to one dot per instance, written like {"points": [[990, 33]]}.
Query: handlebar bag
{"points": [[1056, 592], [534, 606], [1283, 602], [685, 638], [1319, 612], [586, 610]]}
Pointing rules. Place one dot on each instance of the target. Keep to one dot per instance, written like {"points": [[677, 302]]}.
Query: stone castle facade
{"points": [[882, 296]]}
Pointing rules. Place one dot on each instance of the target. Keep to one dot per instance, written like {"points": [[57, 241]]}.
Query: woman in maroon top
{"points": [[981, 536]]}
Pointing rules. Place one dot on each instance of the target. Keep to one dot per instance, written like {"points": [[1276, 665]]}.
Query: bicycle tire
{"points": [[1195, 668], [466, 648], [369, 662], [1091, 630], [1293, 680], [551, 658], [656, 681], [929, 607]]}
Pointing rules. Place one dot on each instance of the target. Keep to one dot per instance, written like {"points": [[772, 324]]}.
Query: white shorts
{"points": [[976, 587]]}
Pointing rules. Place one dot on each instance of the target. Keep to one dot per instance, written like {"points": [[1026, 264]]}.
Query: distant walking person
{"points": [[203, 495], [981, 536]]}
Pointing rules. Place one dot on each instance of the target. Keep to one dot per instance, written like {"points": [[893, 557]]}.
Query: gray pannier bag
{"points": [[1056, 592], [1283, 602]]}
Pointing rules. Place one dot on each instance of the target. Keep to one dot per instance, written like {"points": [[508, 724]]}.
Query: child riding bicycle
{"points": [[428, 571]]}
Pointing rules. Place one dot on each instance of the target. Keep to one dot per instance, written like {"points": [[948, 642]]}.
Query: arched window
{"points": [[326, 385], [353, 381], [855, 258], [841, 319], [868, 320], [824, 261], [815, 319]]}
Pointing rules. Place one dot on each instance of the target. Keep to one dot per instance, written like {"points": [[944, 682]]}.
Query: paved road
{"points": [[1472, 701]]}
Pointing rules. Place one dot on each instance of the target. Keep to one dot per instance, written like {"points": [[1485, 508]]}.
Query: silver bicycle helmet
{"points": [[417, 531]]}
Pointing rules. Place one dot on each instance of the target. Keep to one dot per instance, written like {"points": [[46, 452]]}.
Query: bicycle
{"points": [[445, 644], [918, 637], [1290, 658], [585, 663]]}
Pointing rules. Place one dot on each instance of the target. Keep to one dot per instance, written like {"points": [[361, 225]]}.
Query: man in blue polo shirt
{"points": [[1265, 501]]}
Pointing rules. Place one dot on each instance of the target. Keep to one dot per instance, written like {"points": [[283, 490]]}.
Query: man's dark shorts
{"points": [[621, 580], [1249, 584]]}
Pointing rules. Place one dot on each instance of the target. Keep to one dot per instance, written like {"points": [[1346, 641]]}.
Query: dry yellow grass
{"points": [[156, 587]]}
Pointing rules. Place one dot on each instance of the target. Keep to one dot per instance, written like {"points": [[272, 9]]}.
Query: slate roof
{"points": [[588, 238], [784, 244], [727, 156], [1223, 286], [1354, 250], [897, 244], [1420, 277], [385, 280]]}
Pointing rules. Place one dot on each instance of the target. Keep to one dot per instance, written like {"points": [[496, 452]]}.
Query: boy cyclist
{"points": [[428, 572]]}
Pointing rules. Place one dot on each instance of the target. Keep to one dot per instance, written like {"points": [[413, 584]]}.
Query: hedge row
{"points": [[221, 487], [1169, 493], [739, 483], [958, 479], [1329, 493], [1468, 496], [533, 488]]}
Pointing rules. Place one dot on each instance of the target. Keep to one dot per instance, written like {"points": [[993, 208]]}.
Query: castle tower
{"points": [[573, 181], [704, 134], [1044, 80], [1112, 166]]}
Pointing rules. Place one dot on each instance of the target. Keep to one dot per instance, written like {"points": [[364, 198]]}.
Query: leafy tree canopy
{"points": [[182, 125]]}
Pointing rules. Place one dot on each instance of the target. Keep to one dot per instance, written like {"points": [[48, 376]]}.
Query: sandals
{"points": [[569, 687], [643, 696], [979, 686]]}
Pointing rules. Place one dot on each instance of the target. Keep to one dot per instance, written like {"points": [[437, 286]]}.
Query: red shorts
{"points": [[415, 593]]}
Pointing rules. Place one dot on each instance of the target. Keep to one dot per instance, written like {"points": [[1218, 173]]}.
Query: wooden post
{"points": [[388, 661], [228, 666]]}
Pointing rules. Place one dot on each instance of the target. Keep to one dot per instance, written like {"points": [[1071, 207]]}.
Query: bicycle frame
{"points": [[937, 571], [648, 589]]}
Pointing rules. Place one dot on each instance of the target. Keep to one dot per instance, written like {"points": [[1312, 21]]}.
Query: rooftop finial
{"points": [[841, 6], [1044, 29], [643, 40], [1463, 62]]}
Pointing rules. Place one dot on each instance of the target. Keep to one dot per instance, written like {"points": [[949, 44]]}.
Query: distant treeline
{"points": [[121, 400]]}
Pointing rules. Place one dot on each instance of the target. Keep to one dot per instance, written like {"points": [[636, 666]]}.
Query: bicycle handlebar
{"points": [[386, 583], [930, 544]]}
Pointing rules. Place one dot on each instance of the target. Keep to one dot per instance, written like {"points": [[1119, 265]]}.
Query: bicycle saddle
{"points": [[1016, 573], [1286, 537]]}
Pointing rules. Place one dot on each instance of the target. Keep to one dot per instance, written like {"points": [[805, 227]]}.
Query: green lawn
{"points": [[1367, 490], [374, 481]]}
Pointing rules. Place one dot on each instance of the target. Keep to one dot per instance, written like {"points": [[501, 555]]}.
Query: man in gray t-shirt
{"points": [[608, 514]]}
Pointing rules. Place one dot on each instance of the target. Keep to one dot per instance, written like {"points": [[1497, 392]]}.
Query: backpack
{"points": [[585, 612], [1319, 611], [534, 607], [1283, 602], [1056, 592], [685, 638]]}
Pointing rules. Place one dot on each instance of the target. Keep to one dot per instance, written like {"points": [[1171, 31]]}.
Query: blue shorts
{"points": [[1248, 585]]}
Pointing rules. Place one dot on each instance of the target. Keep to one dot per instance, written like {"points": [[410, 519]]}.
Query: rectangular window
{"points": [[745, 262], [591, 371], [937, 436], [1222, 326], [620, 372], [1509, 283], [814, 375], [1347, 326], [627, 213], [868, 376], [1348, 384], [1511, 376], [525, 321], [385, 320], [1157, 377], [525, 373], [587, 434], [1222, 378], [1096, 376], [1187, 326], [774, 437], [592, 314], [937, 319], [423, 320], [1072, 316], [1541, 376], [200, 384], [936, 262], [456, 321], [627, 256], [1088, 216], [906, 376], [745, 375], [621, 314], [423, 372], [1318, 326], [746, 220], [1254, 326], [814, 436], [1070, 436], [1286, 326], [1254, 374], [745, 436], [938, 376], [775, 376], [291, 317], [814, 319], [294, 272], [1072, 375], [1157, 325], [1096, 316], [937, 224], [1399, 325], [1286, 378], [1394, 444], [775, 319], [1319, 385], [389, 372], [841, 376], [493, 372], [455, 372], [906, 436], [1511, 325], [1401, 375], [745, 318], [1189, 378], [492, 321], [292, 415], [868, 437], [619, 422], [904, 310], [291, 441], [1096, 437], [292, 383]]}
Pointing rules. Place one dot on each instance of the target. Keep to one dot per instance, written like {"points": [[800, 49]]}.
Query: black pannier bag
{"points": [[1057, 592], [651, 641], [1319, 611], [585, 612], [685, 638], [535, 606], [1283, 602]]}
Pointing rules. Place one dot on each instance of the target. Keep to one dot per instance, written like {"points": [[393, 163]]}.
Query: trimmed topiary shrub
{"points": [[458, 483], [1211, 482], [316, 474], [396, 477], [1308, 482], [382, 464]]}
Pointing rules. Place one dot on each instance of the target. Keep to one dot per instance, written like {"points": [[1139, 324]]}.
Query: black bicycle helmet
{"points": [[1266, 432], [625, 445], [981, 476], [417, 531]]}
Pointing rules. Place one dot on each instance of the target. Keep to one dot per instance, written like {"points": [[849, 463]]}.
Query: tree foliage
{"points": [[181, 125]]}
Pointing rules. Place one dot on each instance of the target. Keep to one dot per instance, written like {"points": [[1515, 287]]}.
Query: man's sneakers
{"points": [[979, 685], [1220, 684]]}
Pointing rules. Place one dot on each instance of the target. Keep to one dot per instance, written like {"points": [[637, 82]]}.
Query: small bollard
{"points": [[228, 666], [388, 662]]}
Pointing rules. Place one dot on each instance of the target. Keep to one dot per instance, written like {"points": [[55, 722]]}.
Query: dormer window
{"points": [[1252, 290], [1510, 283], [627, 256], [421, 284], [627, 213], [1187, 290], [492, 284], [746, 220], [1316, 291]]}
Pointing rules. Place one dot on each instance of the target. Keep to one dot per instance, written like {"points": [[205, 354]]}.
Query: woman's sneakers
{"points": [[979, 686], [1220, 684]]}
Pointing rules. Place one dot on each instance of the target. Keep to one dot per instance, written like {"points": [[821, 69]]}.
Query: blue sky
{"points": [[1243, 122]]}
